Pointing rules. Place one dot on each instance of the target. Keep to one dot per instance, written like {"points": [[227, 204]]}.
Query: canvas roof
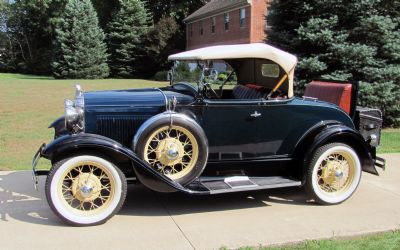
{"points": [[255, 50], [244, 51]]}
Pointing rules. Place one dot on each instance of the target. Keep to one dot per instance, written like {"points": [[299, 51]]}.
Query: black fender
{"points": [[69, 145], [59, 127], [332, 131]]}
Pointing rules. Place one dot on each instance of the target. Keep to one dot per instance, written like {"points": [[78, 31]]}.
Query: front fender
{"points": [[69, 145], [59, 127], [341, 133]]}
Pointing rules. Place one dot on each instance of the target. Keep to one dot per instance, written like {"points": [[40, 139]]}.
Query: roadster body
{"points": [[228, 122]]}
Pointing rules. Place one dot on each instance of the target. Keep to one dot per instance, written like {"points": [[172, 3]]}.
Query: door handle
{"points": [[255, 114]]}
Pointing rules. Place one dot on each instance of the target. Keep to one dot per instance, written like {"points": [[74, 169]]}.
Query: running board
{"points": [[219, 185]]}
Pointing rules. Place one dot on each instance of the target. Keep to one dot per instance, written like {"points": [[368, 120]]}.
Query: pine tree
{"points": [[80, 48], [125, 35], [355, 40]]}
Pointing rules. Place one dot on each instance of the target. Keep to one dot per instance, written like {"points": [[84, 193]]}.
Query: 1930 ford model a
{"points": [[250, 134]]}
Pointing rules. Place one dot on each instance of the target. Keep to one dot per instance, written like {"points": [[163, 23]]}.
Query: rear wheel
{"points": [[85, 190], [333, 174]]}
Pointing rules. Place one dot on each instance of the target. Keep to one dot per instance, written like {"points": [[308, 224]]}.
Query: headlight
{"points": [[71, 113], [74, 111]]}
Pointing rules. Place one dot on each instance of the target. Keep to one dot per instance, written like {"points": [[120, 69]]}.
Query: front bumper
{"points": [[35, 160]]}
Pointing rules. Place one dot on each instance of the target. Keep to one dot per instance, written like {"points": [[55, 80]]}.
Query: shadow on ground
{"points": [[20, 201]]}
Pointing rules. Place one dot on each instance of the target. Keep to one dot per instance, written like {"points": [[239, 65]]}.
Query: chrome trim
{"points": [[155, 118]]}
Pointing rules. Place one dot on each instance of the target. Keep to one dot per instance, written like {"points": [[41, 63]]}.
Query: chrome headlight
{"points": [[71, 113], [74, 111]]}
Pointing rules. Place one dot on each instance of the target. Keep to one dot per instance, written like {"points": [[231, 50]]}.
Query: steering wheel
{"points": [[183, 86], [210, 92]]}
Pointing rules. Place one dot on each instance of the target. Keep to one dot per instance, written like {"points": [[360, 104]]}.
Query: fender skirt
{"points": [[149, 177]]}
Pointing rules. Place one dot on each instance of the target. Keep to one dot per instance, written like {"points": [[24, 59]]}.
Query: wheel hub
{"points": [[86, 187], [170, 151]]}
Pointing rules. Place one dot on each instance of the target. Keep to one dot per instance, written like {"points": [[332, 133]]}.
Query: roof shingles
{"points": [[214, 7]]}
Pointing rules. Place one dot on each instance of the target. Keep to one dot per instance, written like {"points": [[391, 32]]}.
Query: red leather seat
{"points": [[337, 93]]}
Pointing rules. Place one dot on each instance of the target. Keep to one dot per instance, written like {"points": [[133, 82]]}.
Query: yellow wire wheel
{"points": [[172, 150], [334, 173], [85, 190], [174, 145]]}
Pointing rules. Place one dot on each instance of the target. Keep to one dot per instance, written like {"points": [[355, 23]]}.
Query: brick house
{"points": [[226, 22]]}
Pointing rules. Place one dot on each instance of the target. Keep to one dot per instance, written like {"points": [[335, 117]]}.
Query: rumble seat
{"points": [[249, 91], [337, 93]]}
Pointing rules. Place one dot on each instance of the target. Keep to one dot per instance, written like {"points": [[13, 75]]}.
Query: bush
{"points": [[161, 76]]}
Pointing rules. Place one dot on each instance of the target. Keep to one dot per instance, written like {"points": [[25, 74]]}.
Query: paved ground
{"points": [[150, 220]]}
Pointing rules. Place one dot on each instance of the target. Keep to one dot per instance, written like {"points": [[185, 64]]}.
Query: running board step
{"points": [[218, 185]]}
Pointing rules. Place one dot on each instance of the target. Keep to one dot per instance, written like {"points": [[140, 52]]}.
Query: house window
{"points": [[213, 23], [226, 21], [242, 18], [201, 28], [190, 27]]}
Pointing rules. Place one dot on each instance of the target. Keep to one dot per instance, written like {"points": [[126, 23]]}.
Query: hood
{"points": [[130, 97]]}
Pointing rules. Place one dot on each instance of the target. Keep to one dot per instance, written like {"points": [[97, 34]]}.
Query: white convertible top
{"points": [[254, 50]]}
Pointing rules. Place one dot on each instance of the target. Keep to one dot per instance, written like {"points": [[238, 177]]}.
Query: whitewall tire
{"points": [[85, 190], [333, 173]]}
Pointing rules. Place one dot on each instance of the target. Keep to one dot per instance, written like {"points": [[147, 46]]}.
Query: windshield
{"points": [[213, 72], [187, 72]]}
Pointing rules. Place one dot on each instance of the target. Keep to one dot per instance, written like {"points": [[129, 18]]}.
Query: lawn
{"points": [[382, 241], [28, 104]]}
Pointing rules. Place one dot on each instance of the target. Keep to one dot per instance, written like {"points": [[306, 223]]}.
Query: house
{"points": [[226, 22]]}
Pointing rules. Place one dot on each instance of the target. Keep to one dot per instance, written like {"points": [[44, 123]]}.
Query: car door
{"points": [[232, 128], [253, 129]]}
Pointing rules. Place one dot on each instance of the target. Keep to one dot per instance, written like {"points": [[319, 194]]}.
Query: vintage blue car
{"points": [[228, 122]]}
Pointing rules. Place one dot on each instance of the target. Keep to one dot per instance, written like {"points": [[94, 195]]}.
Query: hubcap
{"points": [[87, 187], [173, 151], [335, 173]]}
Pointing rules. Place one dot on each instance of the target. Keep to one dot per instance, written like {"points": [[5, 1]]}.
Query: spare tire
{"points": [[178, 150]]}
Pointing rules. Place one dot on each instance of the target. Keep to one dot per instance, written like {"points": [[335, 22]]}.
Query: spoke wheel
{"points": [[334, 173], [172, 150], [85, 190]]}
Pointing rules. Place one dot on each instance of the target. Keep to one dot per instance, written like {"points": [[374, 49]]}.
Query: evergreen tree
{"points": [[80, 48], [159, 44], [125, 35], [345, 40]]}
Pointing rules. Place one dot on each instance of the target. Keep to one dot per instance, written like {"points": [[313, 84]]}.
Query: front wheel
{"points": [[333, 173], [85, 190]]}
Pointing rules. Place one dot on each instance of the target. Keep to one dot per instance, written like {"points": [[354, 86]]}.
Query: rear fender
{"points": [[332, 132], [70, 145]]}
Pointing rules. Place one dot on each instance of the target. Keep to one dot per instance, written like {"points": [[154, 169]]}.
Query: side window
{"points": [[213, 24], [226, 21], [242, 18], [270, 70]]}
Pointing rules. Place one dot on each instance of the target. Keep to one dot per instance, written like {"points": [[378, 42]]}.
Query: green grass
{"points": [[382, 241], [390, 141], [28, 104]]}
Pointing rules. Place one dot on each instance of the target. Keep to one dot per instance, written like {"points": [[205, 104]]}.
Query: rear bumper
{"points": [[380, 162], [35, 160]]}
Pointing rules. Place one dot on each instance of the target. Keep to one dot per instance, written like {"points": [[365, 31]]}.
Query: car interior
{"points": [[255, 79]]}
